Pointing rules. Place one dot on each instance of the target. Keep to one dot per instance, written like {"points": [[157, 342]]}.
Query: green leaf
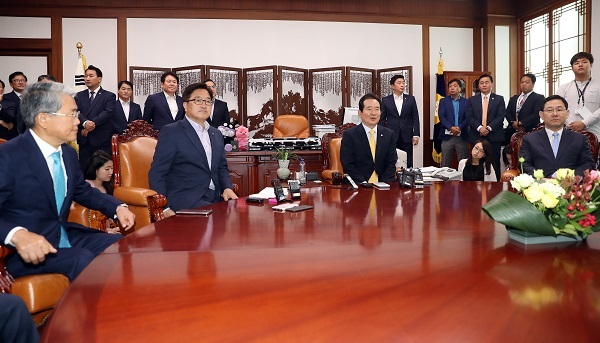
{"points": [[513, 210]]}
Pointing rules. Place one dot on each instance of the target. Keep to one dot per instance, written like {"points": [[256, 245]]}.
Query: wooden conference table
{"points": [[397, 265]]}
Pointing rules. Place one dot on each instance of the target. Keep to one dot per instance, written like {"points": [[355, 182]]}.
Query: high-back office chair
{"points": [[132, 154], [517, 139], [331, 144], [291, 125]]}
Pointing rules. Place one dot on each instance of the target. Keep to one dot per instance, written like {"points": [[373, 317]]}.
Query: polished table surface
{"points": [[398, 265]]}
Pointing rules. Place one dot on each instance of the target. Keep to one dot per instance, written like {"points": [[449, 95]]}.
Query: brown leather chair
{"points": [[40, 292], [132, 154], [517, 139], [89, 218], [331, 144], [291, 125]]}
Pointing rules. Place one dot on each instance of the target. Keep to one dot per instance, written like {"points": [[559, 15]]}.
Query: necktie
{"points": [[59, 195], [555, 143], [523, 98], [372, 145], [92, 96], [484, 111]]}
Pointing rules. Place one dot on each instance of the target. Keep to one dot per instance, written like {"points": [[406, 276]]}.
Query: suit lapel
{"points": [[545, 142], [379, 145], [70, 165], [564, 141], [192, 135], [165, 104], [37, 163]]}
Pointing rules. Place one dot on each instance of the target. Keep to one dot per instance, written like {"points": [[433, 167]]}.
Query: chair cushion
{"points": [[135, 160], [40, 292], [291, 125]]}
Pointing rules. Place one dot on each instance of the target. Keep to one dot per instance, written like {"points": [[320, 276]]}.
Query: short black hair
{"points": [[485, 75], [454, 80], [207, 80], [15, 74], [96, 69], [125, 82], [46, 77], [163, 77], [187, 93], [361, 102], [396, 77], [530, 76], [582, 54], [555, 97]]}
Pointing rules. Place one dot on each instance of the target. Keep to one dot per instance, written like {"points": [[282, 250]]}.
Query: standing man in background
{"points": [[523, 109], [485, 115], [583, 95], [399, 112], [126, 110], [165, 107], [8, 114], [219, 114], [455, 128], [18, 82], [96, 112]]}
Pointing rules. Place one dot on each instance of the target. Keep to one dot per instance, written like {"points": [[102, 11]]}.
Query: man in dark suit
{"points": [[454, 129], [40, 180], [16, 324], [220, 112], [522, 112], [165, 107], [18, 82], [555, 147], [96, 112], [368, 151], [485, 115], [189, 164], [399, 112], [127, 110], [8, 114]]}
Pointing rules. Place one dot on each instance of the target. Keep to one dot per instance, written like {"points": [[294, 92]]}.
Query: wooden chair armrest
{"points": [[156, 205], [509, 174], [327, 174], [134, 196]]}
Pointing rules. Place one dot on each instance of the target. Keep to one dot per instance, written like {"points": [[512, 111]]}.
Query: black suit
{"points": [[101, 111], [8, 114], [529, 115], [120, 122], [220, 114], [356, 157], [404, 124], [157, 112], [14, 98], [573, 152], [495, 120]]}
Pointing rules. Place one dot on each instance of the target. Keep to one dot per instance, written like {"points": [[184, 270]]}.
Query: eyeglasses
{"points": [[199, 101], [476, 148], [72, 116], [559, 110], [19, 81]]}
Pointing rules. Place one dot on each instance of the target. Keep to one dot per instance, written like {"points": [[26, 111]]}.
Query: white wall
{"points": [[99, 48], [502, 72], [25, 27], [31, 66], [595, 29]]}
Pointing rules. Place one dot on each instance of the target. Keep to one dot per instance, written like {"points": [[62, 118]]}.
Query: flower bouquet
{"points": [[564, 206]]}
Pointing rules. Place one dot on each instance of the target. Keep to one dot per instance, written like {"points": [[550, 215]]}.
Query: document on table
{"points": [[267, 193]]}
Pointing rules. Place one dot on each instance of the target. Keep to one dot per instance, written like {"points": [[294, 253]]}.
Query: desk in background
{"points": [[254, 170]]}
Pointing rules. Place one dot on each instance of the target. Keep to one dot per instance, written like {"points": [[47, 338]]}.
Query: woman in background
{"points": [[478, 166], [99, 172]]}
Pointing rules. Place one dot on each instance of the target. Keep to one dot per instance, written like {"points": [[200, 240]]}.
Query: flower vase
{"points": [[283, 171], [528, 238]]}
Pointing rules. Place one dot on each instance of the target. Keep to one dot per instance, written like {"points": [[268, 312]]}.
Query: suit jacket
{"points": [[530, 111], [404, 124], [120, 122], [27, 191], [14, 98], [180, 169], [8, 114], [101, 111], [495, 117], [220, 114], [356, 157], [573, 153], [446, 115], [157, 112]]}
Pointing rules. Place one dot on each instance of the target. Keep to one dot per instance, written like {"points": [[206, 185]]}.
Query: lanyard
{"points": [[580, 92]]}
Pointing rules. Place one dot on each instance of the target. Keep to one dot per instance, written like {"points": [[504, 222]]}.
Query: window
{"points": [[550, 40]]}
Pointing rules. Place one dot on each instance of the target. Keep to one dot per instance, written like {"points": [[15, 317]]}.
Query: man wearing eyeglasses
{"points": [[555, 147], [189, 164], [18, 82], [96, 114], [40, 179]]}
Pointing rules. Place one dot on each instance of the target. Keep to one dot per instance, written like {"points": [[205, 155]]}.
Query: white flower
{"points": [[563, 173], [553, 189], [522, 182], [538, 174], [549, 201], [533, 193]]}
